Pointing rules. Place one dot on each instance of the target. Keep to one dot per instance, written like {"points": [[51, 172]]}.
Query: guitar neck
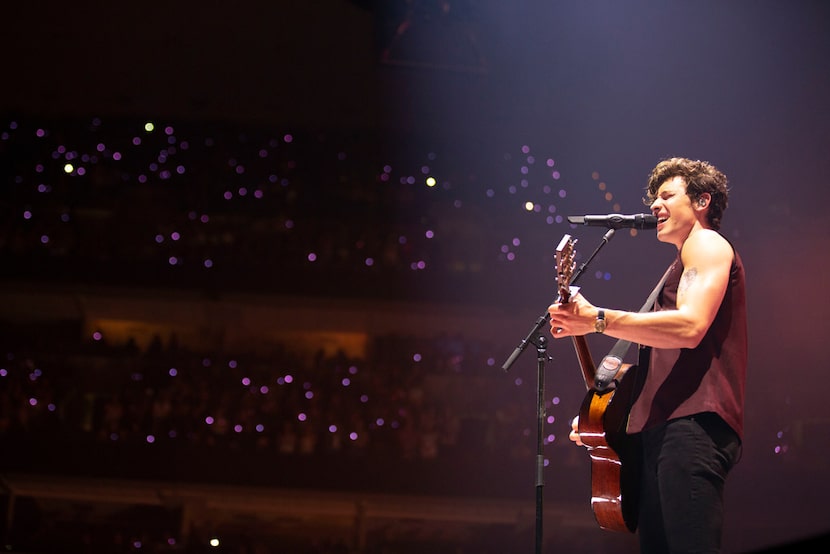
{"points": [[565, 263], [586, 362]]}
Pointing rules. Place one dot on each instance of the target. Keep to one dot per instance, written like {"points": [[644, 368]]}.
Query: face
{"points": [[676, 216]]}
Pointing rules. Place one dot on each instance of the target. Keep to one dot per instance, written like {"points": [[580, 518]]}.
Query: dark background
{"points": [[604, 88]]}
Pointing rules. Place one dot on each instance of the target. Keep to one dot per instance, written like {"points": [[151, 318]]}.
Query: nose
{"points": [[655, 206]]}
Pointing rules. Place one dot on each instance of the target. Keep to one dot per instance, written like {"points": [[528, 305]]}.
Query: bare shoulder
{"points": [[704, 247]]}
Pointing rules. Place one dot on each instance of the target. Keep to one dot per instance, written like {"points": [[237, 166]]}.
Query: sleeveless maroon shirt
{"points": [[682, 382]]}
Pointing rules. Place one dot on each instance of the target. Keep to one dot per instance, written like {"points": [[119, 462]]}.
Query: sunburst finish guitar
{"points": [[602, 419]]}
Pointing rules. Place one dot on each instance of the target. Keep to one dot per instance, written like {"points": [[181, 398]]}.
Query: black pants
{"points": [[685, 463]]}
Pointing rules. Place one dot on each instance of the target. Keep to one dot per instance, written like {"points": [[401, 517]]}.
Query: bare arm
{"points": [[707, 258]]}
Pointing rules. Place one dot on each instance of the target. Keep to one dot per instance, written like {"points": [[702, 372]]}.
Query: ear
{"points": [[703, 200]]}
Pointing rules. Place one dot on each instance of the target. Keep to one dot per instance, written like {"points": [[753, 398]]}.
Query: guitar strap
{"points": [[611, 363]]}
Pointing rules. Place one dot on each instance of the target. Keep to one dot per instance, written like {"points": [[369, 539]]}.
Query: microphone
{"points": [[616, 221]]}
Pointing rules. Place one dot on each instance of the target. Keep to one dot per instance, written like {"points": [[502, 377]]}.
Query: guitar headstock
{"points": [[565, 264]]}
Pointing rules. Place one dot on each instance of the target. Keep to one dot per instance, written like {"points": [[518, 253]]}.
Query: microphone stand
{"points": [[539, 340]]}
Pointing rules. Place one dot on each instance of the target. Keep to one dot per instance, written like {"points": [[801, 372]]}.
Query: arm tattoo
{"points": [[686, 280]]}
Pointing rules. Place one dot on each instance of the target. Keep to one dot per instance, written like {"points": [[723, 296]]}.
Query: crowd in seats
{"points": [[412, 399], [413, 407], [219, 208], [242, 208], [246, 208]]}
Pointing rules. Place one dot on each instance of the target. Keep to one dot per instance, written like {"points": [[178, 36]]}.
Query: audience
{"points": [[224, 209]]}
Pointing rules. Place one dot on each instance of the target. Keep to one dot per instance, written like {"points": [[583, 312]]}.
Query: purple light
{"points": [[172, 372], [151, 439], [332, 428], [209, 420], [301, 416]]}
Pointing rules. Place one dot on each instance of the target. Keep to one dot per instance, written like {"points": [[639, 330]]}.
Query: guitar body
{"points": [[615, 455]]}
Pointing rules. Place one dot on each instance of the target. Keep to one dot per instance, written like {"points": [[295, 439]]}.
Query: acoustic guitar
{"points": [[602, 422]]}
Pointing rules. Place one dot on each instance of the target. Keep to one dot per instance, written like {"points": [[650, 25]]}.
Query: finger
{"points": [[558, 332]]}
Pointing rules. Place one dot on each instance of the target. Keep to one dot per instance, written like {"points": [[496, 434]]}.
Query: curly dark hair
{"points": [[700, 177]]}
